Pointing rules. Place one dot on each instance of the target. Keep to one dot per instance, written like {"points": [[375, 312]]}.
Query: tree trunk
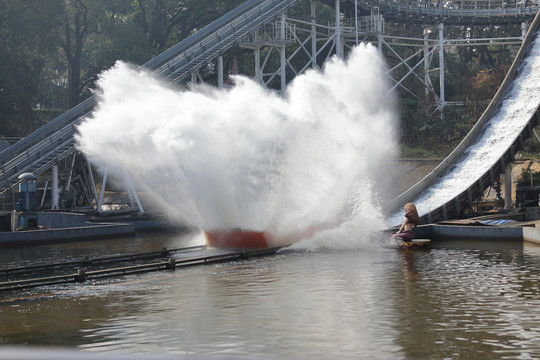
{"points": [[73, 47]]}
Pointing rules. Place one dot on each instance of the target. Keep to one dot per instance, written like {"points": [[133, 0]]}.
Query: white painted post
{"points": [[54, 189], [102, 192], [220, 72], [313, 36], [339, 50], [134, 194], [356, 21], [44, 193], [68, 182], [379, 31], [426, 63], [258, 72], [283, 62], [508, 187], [93, 183], [441, 65]]}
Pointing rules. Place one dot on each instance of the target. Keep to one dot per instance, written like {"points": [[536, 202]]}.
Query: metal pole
{"points": [[339, 50], [379, 31], [508, 187], [220, 72], [44, 193], [68, 183], [102, 192], [441, 65], [313, 36], [92, 182], [54, 194], [258, 72], [282, 51], [426, 64], [134, 193], [356, 20]]}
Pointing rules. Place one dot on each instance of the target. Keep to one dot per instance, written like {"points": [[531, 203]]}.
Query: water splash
{"points": [[246, 157]]}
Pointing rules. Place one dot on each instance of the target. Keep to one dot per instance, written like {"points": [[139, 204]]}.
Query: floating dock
{"points": [[86, 269]]}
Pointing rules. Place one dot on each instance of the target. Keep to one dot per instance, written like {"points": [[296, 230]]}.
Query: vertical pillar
{"points": [[282, 51], [313, 36], [356, 21], [220, 71], [258, 72], [92, 183], [339, 50], [379, 31], [441, 65], [54, 189], [508, 187], [523, 30], [426, 64], [194, 78], [102, 192], [68, 182], [133, 194]]}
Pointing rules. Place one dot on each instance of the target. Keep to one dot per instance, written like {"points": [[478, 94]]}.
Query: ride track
{"points": [[47, 146], [453, 205]]}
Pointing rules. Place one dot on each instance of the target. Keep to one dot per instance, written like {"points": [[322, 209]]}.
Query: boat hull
{"points": [[236, 239]]}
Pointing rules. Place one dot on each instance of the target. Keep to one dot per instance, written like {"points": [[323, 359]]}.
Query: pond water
{"points": [[459, 300]]}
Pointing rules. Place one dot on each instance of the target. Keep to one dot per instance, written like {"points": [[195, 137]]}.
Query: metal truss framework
{"points": [[299, 45], [316, 43]]}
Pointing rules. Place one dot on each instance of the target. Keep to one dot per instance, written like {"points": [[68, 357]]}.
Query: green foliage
{"points": [[473, 74], [409, 152], [527, 176], [532, 145], [25, 45], [35, 34]]}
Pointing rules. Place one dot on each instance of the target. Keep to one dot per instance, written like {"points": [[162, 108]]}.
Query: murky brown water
{"points": [[457, 301]]}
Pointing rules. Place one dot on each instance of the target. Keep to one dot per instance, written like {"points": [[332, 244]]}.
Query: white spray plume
{"points": [[246, 157]]}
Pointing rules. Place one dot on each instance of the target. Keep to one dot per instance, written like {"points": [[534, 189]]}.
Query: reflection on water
{"points": [[460, 301]]}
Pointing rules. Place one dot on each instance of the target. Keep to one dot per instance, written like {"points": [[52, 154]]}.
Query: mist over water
{"points": [[246, 157]]}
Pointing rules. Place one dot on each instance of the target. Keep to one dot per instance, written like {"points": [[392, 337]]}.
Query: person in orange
{"points": [[412, 219]]}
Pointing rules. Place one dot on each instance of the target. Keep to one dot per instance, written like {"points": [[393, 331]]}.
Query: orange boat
{"points": [[237, 239], [248, 239]]}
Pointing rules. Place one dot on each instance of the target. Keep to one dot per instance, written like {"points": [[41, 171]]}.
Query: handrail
{"points": [[209, 29], [232, 29], [457, 9], [87, 105], [233, 25], [434, 175]]}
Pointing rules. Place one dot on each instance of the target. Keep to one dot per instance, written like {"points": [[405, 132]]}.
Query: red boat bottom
{"points": [[236, 239]]}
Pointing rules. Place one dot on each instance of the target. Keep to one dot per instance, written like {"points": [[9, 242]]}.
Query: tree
{"points": [[28, 32], [75, 31]]}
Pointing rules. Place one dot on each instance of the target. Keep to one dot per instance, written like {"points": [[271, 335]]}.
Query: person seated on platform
{"points": [[405, 232]]}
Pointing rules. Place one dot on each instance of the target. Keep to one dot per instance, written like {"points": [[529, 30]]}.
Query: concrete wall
{"points": [[54, 220], [30, 237], [453, 232], [532, 235]]}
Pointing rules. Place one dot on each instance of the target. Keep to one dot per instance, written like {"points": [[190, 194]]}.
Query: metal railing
{"points": [[463, 9], [44, 147], [223, 38]]}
